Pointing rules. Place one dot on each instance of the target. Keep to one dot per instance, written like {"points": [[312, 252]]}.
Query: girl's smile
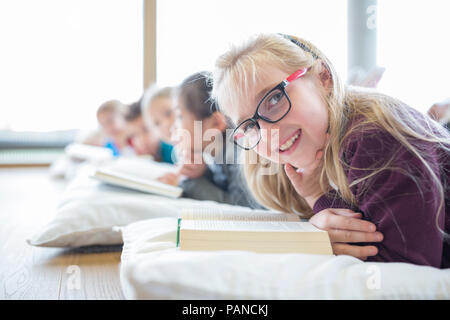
{"points": [[291, 143]]}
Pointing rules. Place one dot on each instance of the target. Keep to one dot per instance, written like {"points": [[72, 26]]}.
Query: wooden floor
{"points": [[28, 197]]}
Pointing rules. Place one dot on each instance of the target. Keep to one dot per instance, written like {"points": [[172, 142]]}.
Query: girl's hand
{"points": [[344, 227], [306, 180], [193, 171], [170, 178], [192, 165]]}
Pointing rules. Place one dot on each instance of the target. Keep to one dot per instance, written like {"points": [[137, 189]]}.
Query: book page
{"points": [[248, 226], [132, 182], [140, 167], [309, 247], [236, 215]]}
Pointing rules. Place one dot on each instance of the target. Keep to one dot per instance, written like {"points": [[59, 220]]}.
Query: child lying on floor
{"points": [[143, 138], [204, 173], [112, 135], [337, 147]]}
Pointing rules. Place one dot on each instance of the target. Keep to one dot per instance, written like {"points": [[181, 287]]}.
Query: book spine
{"points": [[178, 232]]}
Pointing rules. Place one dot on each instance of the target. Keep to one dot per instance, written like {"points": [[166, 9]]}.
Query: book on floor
{"points": [[138, 174], [257, 231]]}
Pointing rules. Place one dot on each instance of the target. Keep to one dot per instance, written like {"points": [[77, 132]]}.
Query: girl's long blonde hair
{"points": [[239, 68]]}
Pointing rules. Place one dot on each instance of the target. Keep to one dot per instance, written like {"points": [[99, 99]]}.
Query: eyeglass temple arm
{"points": [[297, 74]]}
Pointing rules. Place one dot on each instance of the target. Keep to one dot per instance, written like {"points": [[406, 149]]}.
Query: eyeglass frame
{"points": [[254, 119]]}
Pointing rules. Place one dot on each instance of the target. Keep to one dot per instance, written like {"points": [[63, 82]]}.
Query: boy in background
{"points": [[142, 137], [111, 134]]}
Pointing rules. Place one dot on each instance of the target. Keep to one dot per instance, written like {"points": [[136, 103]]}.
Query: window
{"points": [[61, 59], [413, 46], [188, 43]]}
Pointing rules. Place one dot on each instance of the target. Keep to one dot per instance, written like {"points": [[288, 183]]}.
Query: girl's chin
{"points": [[296, 162], [301, 158]]}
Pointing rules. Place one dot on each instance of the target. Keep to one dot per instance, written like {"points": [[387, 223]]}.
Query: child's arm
{"points": [[203, 188], [402, 207]]}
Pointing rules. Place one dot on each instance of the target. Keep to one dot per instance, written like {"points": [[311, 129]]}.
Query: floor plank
{"points": [[28, 198]]}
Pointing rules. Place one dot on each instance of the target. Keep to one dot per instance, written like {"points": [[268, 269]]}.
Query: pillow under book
{"points": [[153, 268], [260, 232]]}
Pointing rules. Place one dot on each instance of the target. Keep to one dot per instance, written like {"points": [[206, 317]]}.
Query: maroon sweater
{"points": [[402, 207]]}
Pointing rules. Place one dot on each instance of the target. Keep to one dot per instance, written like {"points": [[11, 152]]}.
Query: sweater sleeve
{"points": [[400, 200], [236, 193]]}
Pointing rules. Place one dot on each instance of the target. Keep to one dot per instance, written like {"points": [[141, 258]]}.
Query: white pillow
{"points": [[153, 268], [89, 210]]}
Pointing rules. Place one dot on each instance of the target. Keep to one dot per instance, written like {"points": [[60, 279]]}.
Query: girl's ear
{"points": [[325, 77]]}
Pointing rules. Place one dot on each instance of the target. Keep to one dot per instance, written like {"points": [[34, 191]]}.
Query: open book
{"points": [[138, 174], [258, 231]]}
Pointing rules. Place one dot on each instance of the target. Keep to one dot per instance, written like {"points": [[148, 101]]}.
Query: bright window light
{"points": [[413, 46], [61, 59], [192, 34]]}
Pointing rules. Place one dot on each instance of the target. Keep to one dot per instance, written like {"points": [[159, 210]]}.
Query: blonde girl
{"points": [[337, 146]]}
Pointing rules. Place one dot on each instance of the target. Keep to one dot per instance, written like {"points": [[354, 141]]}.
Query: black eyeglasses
{"points": [[273, 107]]}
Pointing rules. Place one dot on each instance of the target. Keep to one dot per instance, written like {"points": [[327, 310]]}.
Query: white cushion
{"points": [[89, 209], [153, 268]]}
